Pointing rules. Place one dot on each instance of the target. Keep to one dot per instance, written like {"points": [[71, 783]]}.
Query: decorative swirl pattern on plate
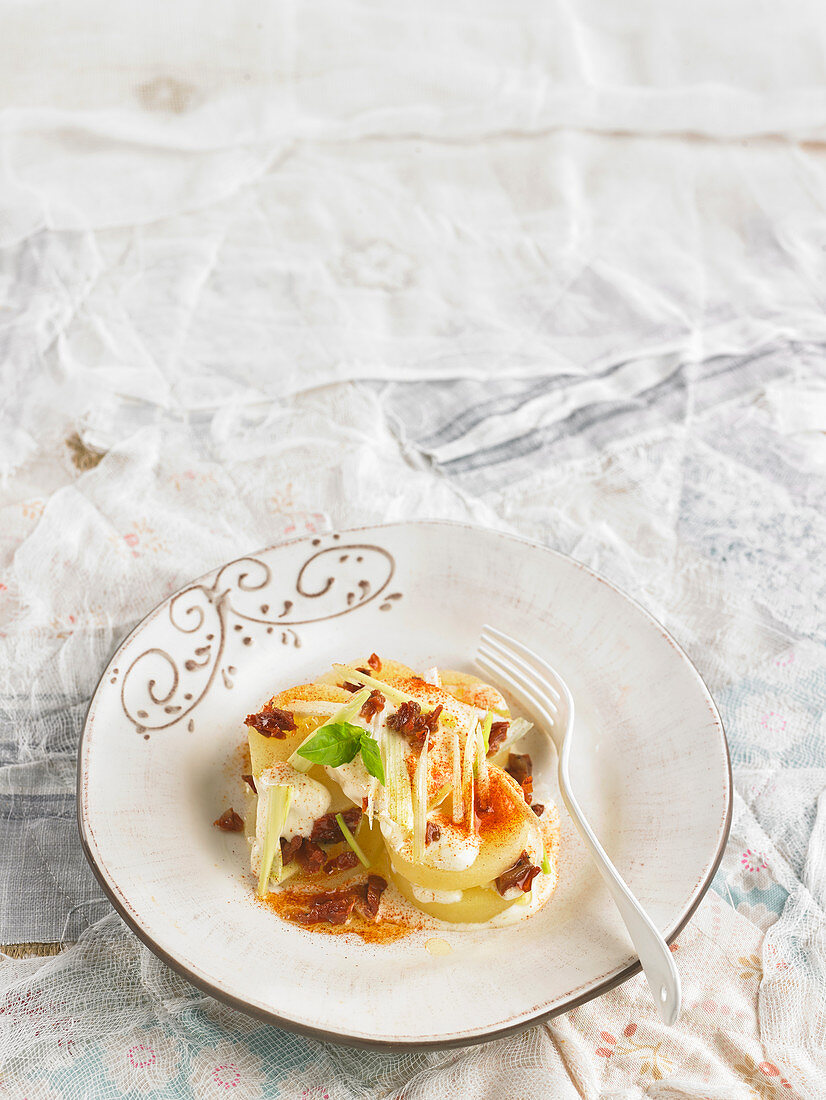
{"points": [[160, 687]]}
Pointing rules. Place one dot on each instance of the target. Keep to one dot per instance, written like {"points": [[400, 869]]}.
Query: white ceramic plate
{"points": [[156, 767]]}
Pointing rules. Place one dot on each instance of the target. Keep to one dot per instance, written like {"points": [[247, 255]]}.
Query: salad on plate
{"points": [[380, 801]]}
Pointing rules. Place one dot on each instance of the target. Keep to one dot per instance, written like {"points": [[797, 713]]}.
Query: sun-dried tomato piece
{"points": [[404, 718], [415, 726], [483, 807], [326, 829], [373, 705], [432, 720], [272, 722], [498, 733], [368, 896], [230, 821], [332, 908], [416, 740], [250, 781], [432, 832], [519, 765], [352, 688], [521, 874], [290, 849], [344, 861], [538, 809], [311, 857], [374, 662]]}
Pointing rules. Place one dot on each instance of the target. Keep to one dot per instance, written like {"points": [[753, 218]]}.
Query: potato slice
{"points": [[265, 751], [478, 903], [475, 692], [503, 835], [268, 750]]}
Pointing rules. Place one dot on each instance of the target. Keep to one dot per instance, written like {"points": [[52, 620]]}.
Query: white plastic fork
{"points": [[531, 678]]}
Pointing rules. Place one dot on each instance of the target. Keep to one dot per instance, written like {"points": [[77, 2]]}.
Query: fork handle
{"points": [[655, 957]]}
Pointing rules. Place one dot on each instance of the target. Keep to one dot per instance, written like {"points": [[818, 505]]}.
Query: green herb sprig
{"points": [[338, 743]]}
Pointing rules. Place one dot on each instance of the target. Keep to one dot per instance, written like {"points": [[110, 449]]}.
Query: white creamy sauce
{"points": [[353, 778], [443, 897], [309, 800], [453, 851]]}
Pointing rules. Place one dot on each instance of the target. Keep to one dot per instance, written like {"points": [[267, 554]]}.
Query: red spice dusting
{"points": [[272, 722], [374, 662], [333, 908], [230, 821], [432, 832], [251, 782], [373, 705], [415, 726], [521, 874], [345, 861], [368, 896], [538, 809], [293, 905], [498, 733]]}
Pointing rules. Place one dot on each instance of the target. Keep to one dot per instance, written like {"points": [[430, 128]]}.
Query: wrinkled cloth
{"points": [[272, 269]]}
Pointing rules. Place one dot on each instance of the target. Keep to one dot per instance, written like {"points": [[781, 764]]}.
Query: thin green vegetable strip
{"points": [[397, 788], [393, 694], [420, 804], [277, 810], [351, 840], [458, 788]]}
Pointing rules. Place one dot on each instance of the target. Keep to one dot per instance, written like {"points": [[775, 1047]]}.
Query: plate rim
{"points": [[324, 1034]]}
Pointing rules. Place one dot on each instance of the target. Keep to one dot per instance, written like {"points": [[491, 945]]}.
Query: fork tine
{"points": [[532, 690], [521, 693], [526, 689], [545, 673], [492, 635], [513, 660]]}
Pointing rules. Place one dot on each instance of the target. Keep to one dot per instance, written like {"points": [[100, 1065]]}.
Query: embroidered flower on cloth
{"points": [[227, 1069], [141, 1060], [754, 872]]}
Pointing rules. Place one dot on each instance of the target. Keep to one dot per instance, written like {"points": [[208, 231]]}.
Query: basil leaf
{"points": [[372, 757], [334, 744]]}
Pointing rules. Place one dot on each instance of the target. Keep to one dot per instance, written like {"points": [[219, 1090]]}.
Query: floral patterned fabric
{"points": [[554, 271]]}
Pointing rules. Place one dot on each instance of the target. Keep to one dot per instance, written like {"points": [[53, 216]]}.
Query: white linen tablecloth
{"points": [[560, 270]]}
